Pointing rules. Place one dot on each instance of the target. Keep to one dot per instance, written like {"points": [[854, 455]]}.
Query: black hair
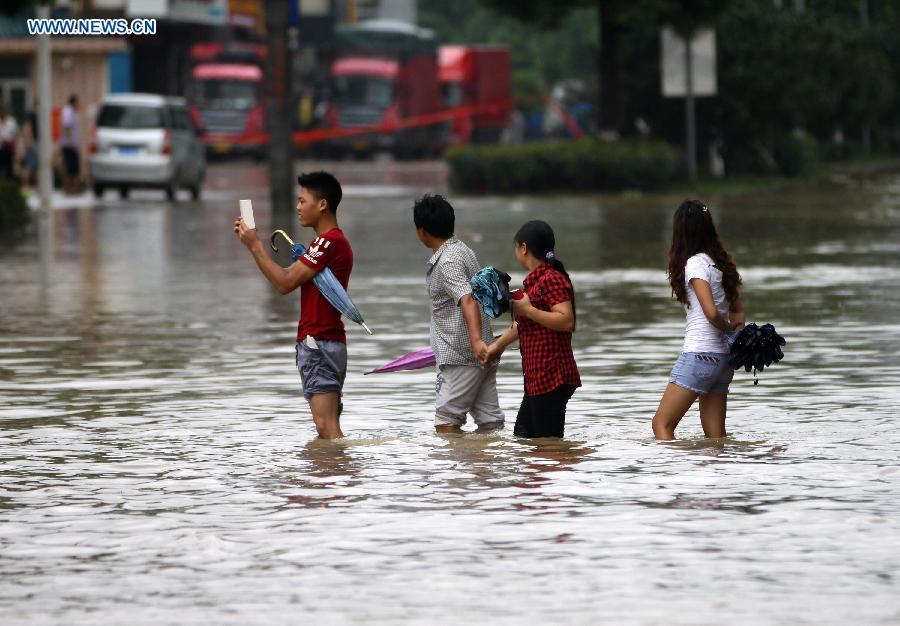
{"points": [[73, 99], [541, 242], [322, 185], [693, 231], [434, 215]]}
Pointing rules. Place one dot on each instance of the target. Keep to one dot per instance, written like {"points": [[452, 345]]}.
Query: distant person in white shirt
{"points": [[9, 131], [69, 141], [706, 281]]}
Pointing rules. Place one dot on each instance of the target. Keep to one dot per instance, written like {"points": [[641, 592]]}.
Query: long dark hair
{"points": [[693, 231], [541, 242]]}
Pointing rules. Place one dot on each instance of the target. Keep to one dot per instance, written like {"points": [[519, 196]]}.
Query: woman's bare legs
{"points": [[674, 404], [712, 414]]}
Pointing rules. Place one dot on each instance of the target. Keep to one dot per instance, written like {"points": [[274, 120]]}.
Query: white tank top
{"points": [[699, 334]]}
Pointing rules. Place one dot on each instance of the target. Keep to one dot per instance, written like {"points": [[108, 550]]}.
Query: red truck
{"points": [[476, 78], [226, 96], [384, 72]]}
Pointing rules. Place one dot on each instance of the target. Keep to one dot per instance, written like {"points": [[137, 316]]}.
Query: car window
{"points": [[131, 116], [188, 121], [181, 120]]}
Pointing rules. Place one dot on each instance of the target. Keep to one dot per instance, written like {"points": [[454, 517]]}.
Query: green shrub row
{"points": [[582, 165], [14, 213], [797, 154], [794, 154]]}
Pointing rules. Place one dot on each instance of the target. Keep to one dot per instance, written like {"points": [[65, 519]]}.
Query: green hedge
{"points": [[797, 154], [14, 212], [581, 165]]}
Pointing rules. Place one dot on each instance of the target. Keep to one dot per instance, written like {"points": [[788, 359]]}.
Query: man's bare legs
{"points": [[326, 412]]}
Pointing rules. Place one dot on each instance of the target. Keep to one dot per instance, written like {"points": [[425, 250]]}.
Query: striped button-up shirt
{"points": [[449, 271]]}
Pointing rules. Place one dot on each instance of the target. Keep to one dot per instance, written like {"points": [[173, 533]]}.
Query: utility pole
{"points": [[278, 115], [45, 154], [45, 140], [689, 113]]}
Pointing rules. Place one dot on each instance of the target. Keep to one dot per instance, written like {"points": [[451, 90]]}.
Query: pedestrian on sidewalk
{"points": [[28, 150], [321, 350], [9, 132], [70, 143]]}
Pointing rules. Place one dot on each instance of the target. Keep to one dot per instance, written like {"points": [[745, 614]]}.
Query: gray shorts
{"points": [[322, 370], [462, 389]]}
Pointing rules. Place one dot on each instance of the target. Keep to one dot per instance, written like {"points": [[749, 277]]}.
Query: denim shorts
{"points": [[702, 372]]}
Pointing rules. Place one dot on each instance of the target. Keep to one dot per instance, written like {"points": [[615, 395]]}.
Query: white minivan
{"points": [[146, 140]]}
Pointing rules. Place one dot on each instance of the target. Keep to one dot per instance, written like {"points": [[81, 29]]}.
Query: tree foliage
{"points": [[825, 70], [541, 56], [14, 7], [780, 70]]}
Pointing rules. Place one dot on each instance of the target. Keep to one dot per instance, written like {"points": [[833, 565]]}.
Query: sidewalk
{"points": [[60, 200]]}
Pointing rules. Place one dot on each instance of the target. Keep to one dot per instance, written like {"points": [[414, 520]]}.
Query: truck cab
{"points": [[476, 79], [384, 75], [226, 96]]}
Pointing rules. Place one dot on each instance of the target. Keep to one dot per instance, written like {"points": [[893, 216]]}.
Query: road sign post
{"points": [[688, 71]]}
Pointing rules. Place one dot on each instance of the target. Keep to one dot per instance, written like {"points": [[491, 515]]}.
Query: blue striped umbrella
{"points": [[326, 282]]}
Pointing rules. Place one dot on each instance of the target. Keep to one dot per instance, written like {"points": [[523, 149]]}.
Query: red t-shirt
{"points": [[547, 358], [317, 317]]}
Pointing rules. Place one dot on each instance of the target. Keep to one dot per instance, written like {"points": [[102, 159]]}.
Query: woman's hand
{"points": [[500, 343], [522, 306], [494, 351], [737, 316]]}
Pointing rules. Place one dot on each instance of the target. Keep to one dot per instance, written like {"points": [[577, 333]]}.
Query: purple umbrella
{"points": [[412, 361]]}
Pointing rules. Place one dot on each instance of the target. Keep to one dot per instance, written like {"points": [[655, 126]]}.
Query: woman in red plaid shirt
{"points": [[545, 321]]}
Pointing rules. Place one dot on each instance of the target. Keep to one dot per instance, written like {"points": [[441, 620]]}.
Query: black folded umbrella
{"points": [[756, 348]]}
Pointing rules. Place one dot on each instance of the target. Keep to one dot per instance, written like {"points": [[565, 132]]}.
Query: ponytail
{"points": [[541, 242]]}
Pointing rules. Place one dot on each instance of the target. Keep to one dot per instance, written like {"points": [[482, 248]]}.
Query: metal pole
{"points": [[45, 155], [690, 122], [278, 95], [45, 140]]}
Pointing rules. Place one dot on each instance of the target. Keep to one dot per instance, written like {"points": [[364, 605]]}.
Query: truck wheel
{"points": [[195, 190], [98, 190], [123, 192]]}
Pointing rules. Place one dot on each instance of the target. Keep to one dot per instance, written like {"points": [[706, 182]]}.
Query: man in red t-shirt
{"points": [[321, 342]]}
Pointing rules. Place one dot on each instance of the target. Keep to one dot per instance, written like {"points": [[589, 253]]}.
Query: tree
{"points": [[819, 71], [541, 57], [549, 13], [14, 7], [615, 19]]}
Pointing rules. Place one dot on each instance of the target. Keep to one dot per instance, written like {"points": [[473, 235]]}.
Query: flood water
{"points": [[158, 464]]}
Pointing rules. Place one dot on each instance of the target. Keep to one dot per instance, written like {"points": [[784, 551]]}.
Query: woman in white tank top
{"points": [[706, 281]]}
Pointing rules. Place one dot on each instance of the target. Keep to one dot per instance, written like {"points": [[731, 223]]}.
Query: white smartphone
{"points": [[247, 213]]}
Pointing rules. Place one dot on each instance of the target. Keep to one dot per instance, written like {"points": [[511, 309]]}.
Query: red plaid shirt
{"points": [[547, 359]]}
